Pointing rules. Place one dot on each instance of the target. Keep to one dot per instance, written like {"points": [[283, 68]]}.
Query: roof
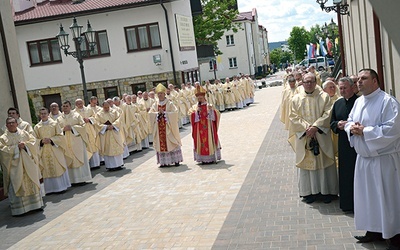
{"points": [[245, 16], [60, 8], [248, 15]]}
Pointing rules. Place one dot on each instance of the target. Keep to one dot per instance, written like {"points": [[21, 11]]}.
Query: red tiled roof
{"points": [[248, 15], [245, 16], [64, 7]]}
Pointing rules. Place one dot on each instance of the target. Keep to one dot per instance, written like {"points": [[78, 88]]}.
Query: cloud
{"points": [[279, 17]]}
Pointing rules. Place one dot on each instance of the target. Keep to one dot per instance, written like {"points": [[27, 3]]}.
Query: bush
{"points": [[33, 111]]}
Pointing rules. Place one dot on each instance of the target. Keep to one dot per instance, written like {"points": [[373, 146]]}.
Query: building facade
{"points": [[371, 40], [12, 82], [139, 44], [243, 52]]}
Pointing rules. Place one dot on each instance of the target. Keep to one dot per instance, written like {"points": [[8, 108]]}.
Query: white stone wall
{"points": [[119, 64]]}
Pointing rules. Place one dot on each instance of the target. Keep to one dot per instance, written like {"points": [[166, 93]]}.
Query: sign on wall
{"points": [[184, 27]]}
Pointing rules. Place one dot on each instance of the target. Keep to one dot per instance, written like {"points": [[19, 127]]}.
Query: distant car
{"points": [[320, 63], [331, 61]]}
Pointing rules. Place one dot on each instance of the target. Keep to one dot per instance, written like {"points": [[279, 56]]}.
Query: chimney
{"points": [[22, 5]]}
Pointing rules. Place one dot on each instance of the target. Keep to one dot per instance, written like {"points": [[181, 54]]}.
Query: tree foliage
{"points": [[218, 17], [297, 41], [278, 56]]}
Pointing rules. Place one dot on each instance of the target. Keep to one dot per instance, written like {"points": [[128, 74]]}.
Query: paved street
{"points": [[249, 200]]}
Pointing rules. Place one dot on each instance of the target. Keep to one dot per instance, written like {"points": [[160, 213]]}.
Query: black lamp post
{"points": [[78, 37], [340, 9], [329, 30]]}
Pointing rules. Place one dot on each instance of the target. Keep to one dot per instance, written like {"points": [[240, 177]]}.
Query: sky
{"points": [[280, 16]]}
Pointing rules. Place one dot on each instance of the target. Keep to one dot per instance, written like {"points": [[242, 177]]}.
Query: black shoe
{"points": [[369, 237], [94, 168], [177, 164], [309, 199], [327, 199]]}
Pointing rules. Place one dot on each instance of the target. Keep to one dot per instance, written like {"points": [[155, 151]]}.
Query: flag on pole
{"points": [[317, 51], [323, 49], [329, 45]]}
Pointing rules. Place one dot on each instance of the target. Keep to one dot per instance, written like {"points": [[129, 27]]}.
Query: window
{"points": [[155, 83], [110, 92], [232, 62], [212, 64], [102, 48], [138, 87], [229, 40], [44, 51], [142, 37], [91, 92], [49, 99]]}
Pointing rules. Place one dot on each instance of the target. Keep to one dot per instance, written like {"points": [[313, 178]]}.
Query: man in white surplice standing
{"points": [[373, 129]]}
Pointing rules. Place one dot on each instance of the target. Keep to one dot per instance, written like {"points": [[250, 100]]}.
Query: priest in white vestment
{"points": [[52, 150], [310, 138], [13, 112], [92, 145], [75, 135], [21, 174], [373, 129], [111, 141]]}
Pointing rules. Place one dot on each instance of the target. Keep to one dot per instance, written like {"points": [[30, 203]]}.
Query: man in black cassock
{"points": [[347, 155]]}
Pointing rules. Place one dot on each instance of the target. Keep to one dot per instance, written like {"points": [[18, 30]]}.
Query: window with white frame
{"points": [[232, 62], [230, 40]]}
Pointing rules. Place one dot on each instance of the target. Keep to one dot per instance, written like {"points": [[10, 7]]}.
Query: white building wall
{"points": [[119, 64], [12, 50], [242, 50], [359, 43]]}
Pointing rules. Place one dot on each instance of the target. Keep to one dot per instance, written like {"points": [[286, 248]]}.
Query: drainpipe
{"points": [[254, 50], [247, 47], [8, 63], [169, 40], [378, 48]]}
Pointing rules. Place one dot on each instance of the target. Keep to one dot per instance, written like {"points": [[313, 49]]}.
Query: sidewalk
{"points": [[247, 201]]}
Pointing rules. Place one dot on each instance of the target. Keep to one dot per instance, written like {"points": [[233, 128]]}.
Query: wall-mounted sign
{"points": [[184, 27]]}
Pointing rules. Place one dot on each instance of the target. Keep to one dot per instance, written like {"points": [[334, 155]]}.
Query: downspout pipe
{"points": [[170, 42], [8, 63]]}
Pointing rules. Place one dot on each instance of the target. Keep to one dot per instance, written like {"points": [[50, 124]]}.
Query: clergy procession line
{"points": [[365, 140], [63, 147]]}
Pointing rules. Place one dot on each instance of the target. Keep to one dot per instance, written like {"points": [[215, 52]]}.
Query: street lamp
{"points": [[78, 37], [338, 7], [329, 31]]}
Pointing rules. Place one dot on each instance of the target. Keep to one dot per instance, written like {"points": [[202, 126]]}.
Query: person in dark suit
{"points": [[347, 155]]}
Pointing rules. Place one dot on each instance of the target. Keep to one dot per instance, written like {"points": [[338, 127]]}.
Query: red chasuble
{"points": [[204, 132]]}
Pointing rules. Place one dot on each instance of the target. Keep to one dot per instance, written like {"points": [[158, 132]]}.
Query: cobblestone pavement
{"points": [[249, 200]]}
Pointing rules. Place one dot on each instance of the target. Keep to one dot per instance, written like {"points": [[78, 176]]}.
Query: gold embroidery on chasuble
{"points": [[162, 130]]}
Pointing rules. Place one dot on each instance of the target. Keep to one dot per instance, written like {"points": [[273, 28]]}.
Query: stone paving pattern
{"points": [[249, 200]]}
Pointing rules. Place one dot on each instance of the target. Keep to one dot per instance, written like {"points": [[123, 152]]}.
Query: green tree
{"points": [[217, 17], [276, 56], [316, 33], [299, 38]]}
